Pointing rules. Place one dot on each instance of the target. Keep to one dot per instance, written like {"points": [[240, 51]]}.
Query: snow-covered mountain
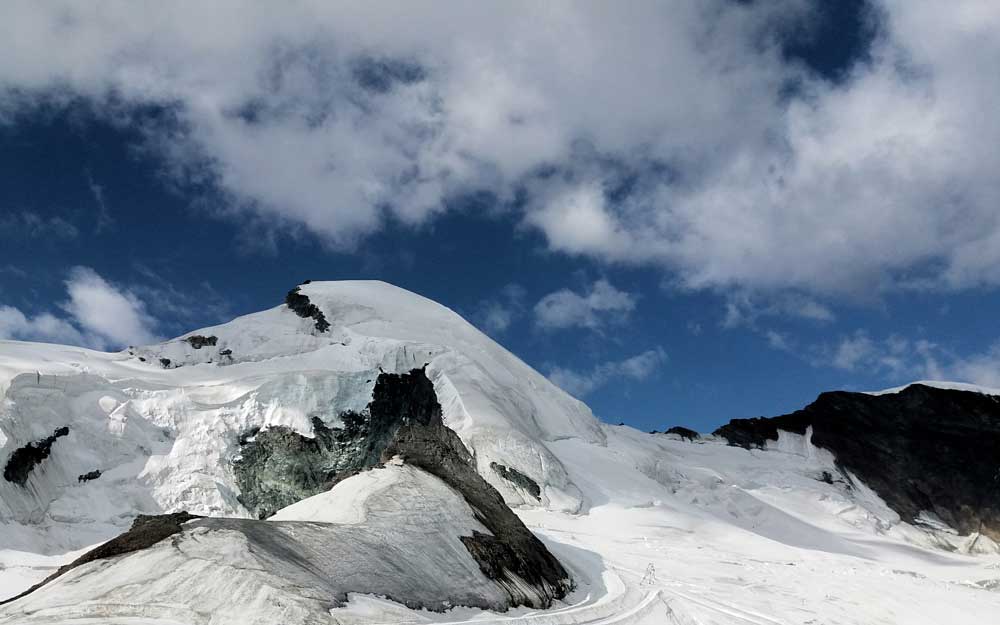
{"points": [[380, 435]]}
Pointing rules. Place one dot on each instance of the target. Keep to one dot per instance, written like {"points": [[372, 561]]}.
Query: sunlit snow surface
{"points": [[955, 386], [654, 529]]}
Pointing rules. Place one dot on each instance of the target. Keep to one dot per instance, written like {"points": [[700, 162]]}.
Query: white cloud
{"points": [[601, 305], [852, 351], [982, 369], [44, 327], [577, 220], [114, 316], [777, 340], [580, 384], [743, 309], [98, 315], [664, 134], [902, 359]]}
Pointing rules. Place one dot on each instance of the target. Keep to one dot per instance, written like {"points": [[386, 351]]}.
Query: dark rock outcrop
{"points": [[24, 459], [756, 431], [302, 307], [198, 341], [684, 432], [146, 531], [514, 476], [90, 475], [921, 449], [278, 467]]}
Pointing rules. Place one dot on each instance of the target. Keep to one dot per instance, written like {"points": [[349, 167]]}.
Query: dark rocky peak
{"points": [[921, 449], [304, 308]]}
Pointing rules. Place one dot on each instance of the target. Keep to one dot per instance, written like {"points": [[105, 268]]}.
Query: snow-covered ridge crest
{"points": [[942, 384]]}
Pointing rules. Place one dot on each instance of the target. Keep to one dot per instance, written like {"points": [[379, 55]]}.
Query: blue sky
{"points": [[682, 213]]}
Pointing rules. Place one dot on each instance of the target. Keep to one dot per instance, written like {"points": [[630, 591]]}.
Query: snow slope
{"points": [[654, 529], [403, 542]]}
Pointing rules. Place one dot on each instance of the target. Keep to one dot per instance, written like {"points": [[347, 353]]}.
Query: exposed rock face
{"points": [[279, 467], [302, 307], [921, 449], [684, 432], [514, 476], [90, 475], [198, 341], [23, 460]]}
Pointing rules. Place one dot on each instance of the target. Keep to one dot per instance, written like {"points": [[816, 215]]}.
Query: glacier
{"points": [[653, 528]]}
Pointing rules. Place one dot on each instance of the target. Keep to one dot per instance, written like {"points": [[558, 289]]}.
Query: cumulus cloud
{"points": [[581, 383], [674, 133], [601, 304], [112, 315], [96, 314]]}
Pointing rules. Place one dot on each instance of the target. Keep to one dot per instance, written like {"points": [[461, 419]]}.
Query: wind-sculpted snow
{"points": [[244, 571], [145, 532]]}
